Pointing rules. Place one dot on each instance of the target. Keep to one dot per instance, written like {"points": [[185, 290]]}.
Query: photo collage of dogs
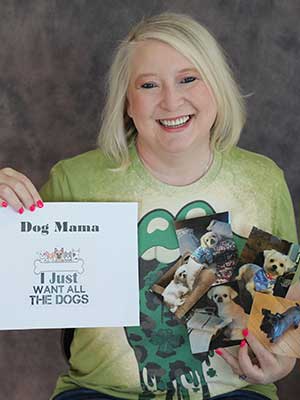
{"points": [[217, 293]]}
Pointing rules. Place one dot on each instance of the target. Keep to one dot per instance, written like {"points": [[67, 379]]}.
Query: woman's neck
{"points": [[178, 169]]}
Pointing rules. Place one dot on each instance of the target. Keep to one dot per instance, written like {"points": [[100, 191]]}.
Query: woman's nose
{"points": [[172, 98]]}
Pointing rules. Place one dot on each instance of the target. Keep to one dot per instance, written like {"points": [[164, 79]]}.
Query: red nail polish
{"points": [[243, 343], [32, 207], [219, 352], [245, 332], [40, 204], [4, 204], [21, 210]]}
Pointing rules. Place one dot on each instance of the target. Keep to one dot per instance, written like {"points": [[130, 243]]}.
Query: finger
{"points": [[16, 190], [15, 193], [10, 198], [3, 203], [27, 184], [264, 356], [231, 360], [251, 369]]}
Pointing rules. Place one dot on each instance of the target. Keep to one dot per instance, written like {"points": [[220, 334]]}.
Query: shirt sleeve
{"points": [[284, 218], [57, 187]]}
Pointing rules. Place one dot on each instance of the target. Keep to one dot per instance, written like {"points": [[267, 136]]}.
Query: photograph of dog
{"points": [[189, 278], [209, 240], [189, 231], [267, 265], [275, 325], [217, 320], [263, 279], [233, 316], [183, 284], [190, 270], [174, 292], [275, 321]]}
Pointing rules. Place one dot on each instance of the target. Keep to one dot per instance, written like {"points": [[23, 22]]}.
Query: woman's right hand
{"points": [[17, 191]]}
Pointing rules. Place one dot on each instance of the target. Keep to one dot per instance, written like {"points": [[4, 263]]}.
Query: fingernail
{"points": [[243, 343], [219, 352], [245, 332], [4, 204], [32, 207], [40, 204], [21, 210]]}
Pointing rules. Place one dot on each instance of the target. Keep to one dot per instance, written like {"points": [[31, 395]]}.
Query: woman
{"points": [[171, 122]]}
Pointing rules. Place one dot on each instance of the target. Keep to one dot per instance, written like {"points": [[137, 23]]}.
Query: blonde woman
{"points": [[172, 120]]}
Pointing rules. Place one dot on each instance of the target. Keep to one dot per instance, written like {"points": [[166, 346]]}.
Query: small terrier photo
{"points": [[275, 322], [267, 265], [217, 320], [208, 240]]}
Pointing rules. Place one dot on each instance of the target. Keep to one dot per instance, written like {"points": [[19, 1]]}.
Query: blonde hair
{"points": [[194, 42]]}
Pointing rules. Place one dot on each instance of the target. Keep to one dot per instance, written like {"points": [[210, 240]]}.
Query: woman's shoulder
{"points": [[88, 161], [251, 163], [77, 177]]}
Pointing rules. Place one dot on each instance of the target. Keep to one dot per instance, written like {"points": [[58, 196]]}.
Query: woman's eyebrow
{"points": [[146, 75], [193, 70], [181, 71]]}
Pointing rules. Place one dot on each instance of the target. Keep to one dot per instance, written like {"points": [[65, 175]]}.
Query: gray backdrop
{"points": [[54, 57]]}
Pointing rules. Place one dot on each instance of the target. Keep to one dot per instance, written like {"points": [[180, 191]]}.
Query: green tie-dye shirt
{"points": [[154, 360]]}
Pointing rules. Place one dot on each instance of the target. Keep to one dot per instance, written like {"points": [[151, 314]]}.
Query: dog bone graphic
{"points": [[58, 266]]}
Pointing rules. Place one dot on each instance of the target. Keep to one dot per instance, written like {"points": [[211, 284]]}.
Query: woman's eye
{"points": [[148, 85], [188, 79]]}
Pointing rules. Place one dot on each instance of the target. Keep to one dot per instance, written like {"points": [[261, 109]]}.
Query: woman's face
{"points": [[172, 108]]}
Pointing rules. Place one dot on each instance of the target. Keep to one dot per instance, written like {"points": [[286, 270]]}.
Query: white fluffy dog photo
{"points": [[176, 289], [192, 269]]}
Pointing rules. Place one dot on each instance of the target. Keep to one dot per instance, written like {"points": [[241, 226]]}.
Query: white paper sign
{"points": [[69, 265]]}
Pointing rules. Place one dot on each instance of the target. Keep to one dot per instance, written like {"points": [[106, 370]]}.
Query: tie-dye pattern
{"points": [[154, 359]]}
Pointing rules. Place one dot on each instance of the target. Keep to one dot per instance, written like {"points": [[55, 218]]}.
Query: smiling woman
{"points": [[199, 61], [173, 110], [171, 123]]}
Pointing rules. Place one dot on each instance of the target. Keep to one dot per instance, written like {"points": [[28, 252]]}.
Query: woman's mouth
{"points": [[175, 123]]}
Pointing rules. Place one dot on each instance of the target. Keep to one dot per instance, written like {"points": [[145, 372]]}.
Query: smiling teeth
{"points": [[174, 122]]}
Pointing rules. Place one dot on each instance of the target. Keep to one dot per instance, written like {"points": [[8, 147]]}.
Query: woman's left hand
{"points": [[265, 368]]}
